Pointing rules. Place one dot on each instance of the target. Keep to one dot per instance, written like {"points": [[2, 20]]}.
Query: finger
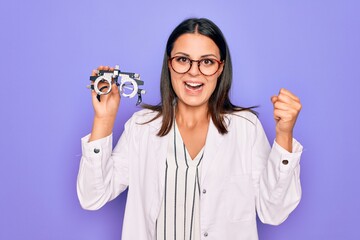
{"points": [[283, 115], [293, 108], [114, 88], [94, 72], [105, 68], [288, 114], [277, 115], [93, 97], [274, 99], [291, 103], [285, 99], [281, 106], [289, 94]]}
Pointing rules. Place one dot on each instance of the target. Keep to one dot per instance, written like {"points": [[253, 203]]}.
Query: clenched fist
{"points": [[287, 107]]}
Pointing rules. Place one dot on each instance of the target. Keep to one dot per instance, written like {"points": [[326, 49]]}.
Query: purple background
{"points": [[48, 49]]}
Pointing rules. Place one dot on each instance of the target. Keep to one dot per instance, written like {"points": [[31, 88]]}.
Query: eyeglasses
{"points": [[207, 66]]}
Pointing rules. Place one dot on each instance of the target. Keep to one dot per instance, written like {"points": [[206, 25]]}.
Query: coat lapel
{"points": [[159, 152], [213, 141]]}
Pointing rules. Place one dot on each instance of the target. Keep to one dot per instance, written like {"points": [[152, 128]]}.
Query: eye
{"points": [[207, 62], [182, 59]]}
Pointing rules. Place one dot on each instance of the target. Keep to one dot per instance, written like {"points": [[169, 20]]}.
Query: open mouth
{"points": [[193, 85]]}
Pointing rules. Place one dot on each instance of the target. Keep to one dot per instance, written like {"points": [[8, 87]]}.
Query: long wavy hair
{"points": [[219, 103]]}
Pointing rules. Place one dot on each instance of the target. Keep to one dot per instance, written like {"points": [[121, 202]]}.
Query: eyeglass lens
{"points": [[206, 66]]}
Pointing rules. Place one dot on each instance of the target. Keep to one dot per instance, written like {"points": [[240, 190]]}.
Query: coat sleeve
{"points": [[276, 176], [103, 172]]}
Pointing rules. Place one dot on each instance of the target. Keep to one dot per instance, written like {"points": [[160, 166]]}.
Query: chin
{"points": [[192, 103]]}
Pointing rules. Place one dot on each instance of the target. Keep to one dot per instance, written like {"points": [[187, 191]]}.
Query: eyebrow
{"points": [[203, 56]]}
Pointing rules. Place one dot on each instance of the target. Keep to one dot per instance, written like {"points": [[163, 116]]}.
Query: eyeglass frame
{"points": [[198, 65]]}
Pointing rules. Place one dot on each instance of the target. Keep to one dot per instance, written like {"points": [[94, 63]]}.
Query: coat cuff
{"points": [[287, 161], [97, 148]]}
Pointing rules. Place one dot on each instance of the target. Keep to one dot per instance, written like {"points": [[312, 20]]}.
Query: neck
{"points": [[192, 116]]}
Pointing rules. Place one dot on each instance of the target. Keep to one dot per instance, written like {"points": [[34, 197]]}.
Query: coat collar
{"points": [[213, 142]]}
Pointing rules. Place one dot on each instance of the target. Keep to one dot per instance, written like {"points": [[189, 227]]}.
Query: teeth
{"points": [[192, 84]]}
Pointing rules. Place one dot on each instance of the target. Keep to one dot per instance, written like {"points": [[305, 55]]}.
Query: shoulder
{"points": [[146, 118], [243, 117], [244, 123], [144, 115]]}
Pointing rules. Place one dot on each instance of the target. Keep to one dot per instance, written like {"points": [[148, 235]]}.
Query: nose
{"points": [[194, 68]]}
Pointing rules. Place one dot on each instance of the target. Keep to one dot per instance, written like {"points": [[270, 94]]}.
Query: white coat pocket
{"points": [[240, 198]]}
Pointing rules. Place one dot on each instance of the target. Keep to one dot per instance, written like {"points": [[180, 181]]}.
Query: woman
{"points": [[195, 165]]}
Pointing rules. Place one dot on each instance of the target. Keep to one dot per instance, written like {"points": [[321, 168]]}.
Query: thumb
{"points": [[274, 99], [94, 97]]}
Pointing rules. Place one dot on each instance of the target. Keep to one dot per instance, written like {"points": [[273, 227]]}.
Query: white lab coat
{"points": [[240, 175]]}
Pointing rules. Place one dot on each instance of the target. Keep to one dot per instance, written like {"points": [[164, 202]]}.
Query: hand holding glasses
{"points": [[128, 86]]}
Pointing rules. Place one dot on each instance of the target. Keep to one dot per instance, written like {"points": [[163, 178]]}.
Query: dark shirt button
{"points": [[285, 162], [96, 150], [204, 191], [206, 234]]}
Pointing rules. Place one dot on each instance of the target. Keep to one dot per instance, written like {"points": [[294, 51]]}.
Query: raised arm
{"points": [[103, 172], [105, 110], [276, 170]]}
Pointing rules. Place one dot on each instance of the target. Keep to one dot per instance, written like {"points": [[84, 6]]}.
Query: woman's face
{"points": [[194, 88]]}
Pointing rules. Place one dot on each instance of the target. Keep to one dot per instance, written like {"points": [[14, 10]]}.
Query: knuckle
{"points": [[300, 106], [297, 107], [283, 97]]}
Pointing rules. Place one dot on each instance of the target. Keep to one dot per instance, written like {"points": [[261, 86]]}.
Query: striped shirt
{"points": [[179, 217]]}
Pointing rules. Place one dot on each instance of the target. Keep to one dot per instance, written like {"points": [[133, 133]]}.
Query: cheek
{"points": [[214, 86], [214, 80], [173, 76], [175, 81]]}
